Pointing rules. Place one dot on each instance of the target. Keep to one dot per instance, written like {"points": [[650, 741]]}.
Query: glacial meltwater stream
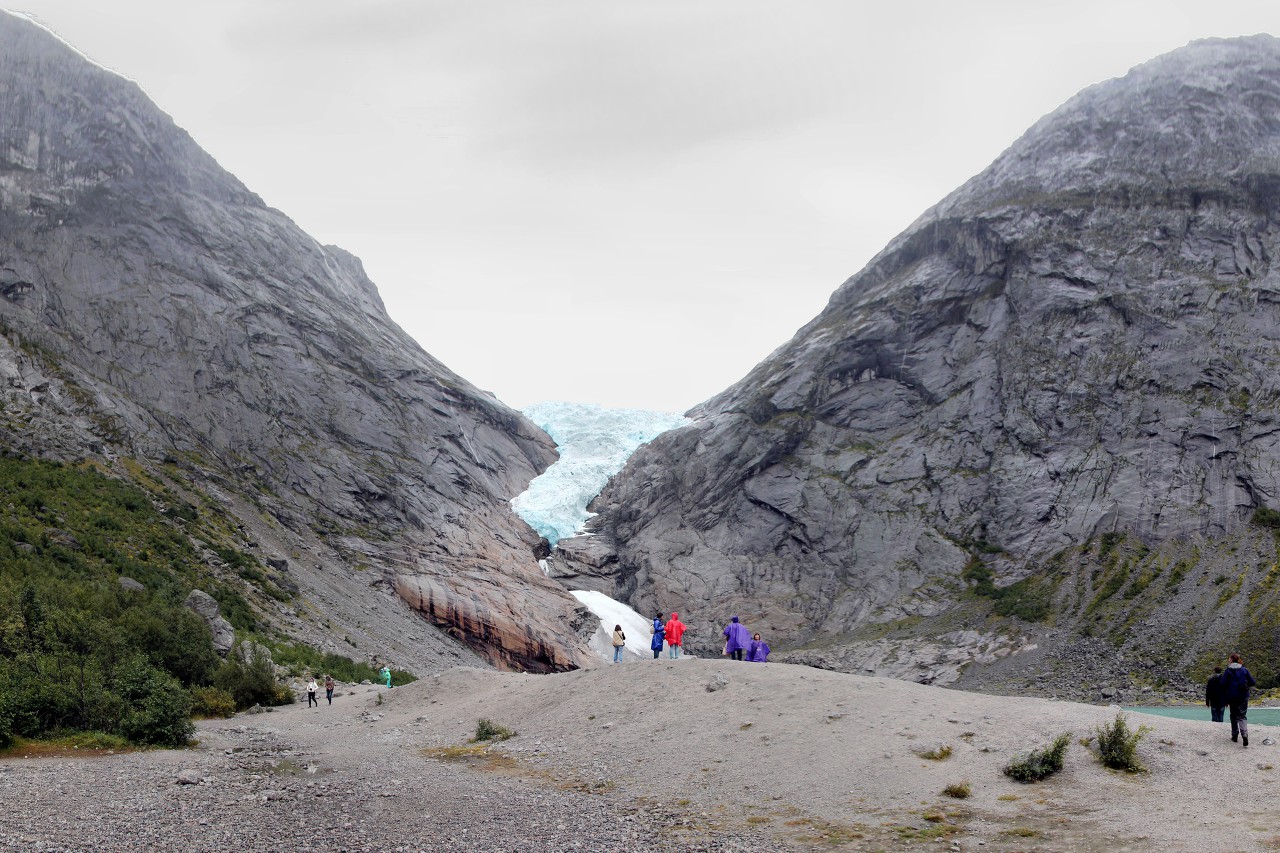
{"points": [[1257, 716]]}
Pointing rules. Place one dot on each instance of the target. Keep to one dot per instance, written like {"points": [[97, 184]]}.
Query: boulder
{"points": [[204, 605]]}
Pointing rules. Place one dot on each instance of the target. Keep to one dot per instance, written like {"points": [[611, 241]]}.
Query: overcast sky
{"points": [[624, 203]]}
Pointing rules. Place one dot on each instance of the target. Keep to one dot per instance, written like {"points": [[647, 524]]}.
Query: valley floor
{"points": [[643, 756]]}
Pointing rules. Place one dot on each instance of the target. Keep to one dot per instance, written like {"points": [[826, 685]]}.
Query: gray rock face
{"points": [[1083, 338], [204, 606], [155, 308]]}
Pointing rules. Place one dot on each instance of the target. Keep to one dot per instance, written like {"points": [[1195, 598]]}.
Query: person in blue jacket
{"points": [[659, 631], [1236, 681]]}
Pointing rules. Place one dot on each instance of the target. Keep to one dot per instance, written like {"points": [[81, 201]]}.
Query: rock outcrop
{"points": [[1084, 338], [204, 606], [155, 309]]}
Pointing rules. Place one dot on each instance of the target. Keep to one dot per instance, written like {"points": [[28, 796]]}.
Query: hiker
{"points": [[1236, 682], [385, 672], [658, 631], [675, 630], [312, 687], [1214, 696], [619, 643], [736, 638], [758, 651], [328, 688]]}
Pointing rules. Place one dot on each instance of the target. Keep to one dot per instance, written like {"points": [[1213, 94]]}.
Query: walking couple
{"points": [[1230, 689]]}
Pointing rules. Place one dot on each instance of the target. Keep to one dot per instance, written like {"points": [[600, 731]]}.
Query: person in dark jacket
{"points": [[1214, 696], [1236, 682], [658, 631], [758, 651], [736, 639]]}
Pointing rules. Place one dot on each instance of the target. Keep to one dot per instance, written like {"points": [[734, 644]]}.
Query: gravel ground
{"points": [[653, 755], [338, 778]]}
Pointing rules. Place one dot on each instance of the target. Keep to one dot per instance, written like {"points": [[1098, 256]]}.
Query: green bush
{"points": [[1118, 744], [488, 730], [6, 723], [1264, 517], [212, 702], [251, 682], [157, 709], [1040, 763]]}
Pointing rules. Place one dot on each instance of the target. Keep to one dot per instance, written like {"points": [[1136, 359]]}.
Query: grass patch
{"points": [[958, 790], [456, 753], [941, 753], [489, 731], [1040, 763], [68, 744]]}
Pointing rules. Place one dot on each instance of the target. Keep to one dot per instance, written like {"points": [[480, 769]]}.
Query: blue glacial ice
{"points": [[594, 443]]}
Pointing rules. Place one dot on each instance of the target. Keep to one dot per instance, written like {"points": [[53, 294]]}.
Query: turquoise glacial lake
{"points": [[1257, 716]]}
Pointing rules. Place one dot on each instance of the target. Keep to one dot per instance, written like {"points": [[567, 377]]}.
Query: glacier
{"points": [[594, 443]]}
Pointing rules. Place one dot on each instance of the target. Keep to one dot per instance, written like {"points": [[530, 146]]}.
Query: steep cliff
{"points": [[1083, 339], [155, 309]]}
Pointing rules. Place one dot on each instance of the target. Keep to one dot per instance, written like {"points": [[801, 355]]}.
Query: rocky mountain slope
{"points": [[1078, 348], [160, 319]]}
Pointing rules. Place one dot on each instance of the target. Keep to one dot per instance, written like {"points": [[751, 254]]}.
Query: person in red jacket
{"points": [[675, 630]]}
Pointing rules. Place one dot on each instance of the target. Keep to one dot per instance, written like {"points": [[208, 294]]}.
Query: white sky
{"points": [[622, 203]]}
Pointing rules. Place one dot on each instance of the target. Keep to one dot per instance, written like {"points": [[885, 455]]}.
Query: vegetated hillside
{"points": [[1081, 342], [159, 319]]}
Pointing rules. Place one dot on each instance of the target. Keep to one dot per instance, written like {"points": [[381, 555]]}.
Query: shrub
{"points": [[959, 790], [1264, 517], [1040, 763], [212, 702], [6, 723], [488, 730], [1118, 745], [251, 682], [157, 709]]}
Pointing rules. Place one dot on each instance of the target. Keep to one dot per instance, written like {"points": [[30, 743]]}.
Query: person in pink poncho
{"points": [[675, 630]]}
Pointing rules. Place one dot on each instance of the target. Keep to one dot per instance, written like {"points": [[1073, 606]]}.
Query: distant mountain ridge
{"points": [[1082, 340], [156, 312]]}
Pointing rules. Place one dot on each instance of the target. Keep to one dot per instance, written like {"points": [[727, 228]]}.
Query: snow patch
{"points": [[638, 629]]}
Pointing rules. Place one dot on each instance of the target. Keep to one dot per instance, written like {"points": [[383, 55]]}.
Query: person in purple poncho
{"points": [[758, 651], [737, 638]]}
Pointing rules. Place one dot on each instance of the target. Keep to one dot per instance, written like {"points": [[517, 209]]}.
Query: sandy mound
{"points": [[643, 757], [779, 744]]}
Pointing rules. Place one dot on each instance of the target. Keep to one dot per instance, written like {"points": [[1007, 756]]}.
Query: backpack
{"points": [[1234, 684]]}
